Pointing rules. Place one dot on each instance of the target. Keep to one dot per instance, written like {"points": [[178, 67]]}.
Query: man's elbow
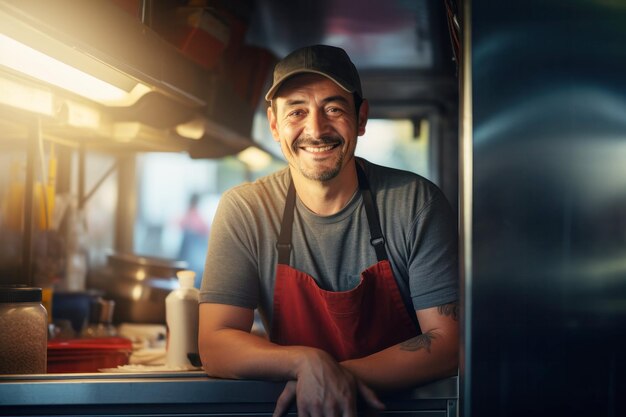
{"points": [[452, 365], [212, 363], [451, 357], [210, 366]]}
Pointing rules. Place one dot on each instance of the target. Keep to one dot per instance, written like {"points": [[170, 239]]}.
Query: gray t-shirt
{"points": [[416, 220]]}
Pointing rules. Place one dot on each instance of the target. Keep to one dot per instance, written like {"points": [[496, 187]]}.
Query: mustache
{"points": [[311, 141]]}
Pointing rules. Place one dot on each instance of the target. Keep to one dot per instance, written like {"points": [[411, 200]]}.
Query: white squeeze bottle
{"points": [[181, 315]]}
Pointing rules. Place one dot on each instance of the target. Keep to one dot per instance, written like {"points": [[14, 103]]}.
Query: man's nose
{"points": [[317, 124]]}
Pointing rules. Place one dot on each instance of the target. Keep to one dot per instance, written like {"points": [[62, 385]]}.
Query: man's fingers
{"points": [[285, 399], [350, 411], [370, 396]]}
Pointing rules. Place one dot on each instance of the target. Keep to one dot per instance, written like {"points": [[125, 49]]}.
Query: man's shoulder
{"points": [[270, 186], [394, 178]]}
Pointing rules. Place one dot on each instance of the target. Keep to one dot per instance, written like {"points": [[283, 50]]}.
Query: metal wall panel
{"points": [[547, 296]]}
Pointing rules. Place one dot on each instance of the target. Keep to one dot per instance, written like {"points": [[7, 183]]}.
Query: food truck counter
{"points": [[183, 393]]}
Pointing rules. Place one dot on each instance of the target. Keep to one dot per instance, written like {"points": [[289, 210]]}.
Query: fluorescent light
{"points": [[255, 158], [26, 97], [26, 60]]}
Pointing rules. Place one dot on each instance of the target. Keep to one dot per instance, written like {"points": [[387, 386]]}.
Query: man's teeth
{"points": [[322, 149]]}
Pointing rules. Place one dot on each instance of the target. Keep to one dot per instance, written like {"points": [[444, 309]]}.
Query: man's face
{"points": [[316, 125]]}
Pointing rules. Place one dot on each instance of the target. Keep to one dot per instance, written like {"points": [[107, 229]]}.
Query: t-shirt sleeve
{"points": [[231, 271], [433, 265]]}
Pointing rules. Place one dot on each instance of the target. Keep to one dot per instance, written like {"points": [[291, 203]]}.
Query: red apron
{"points": [[346, 324]]}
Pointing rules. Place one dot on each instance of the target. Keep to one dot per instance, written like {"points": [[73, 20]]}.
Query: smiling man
{"points": [[353, 266]]}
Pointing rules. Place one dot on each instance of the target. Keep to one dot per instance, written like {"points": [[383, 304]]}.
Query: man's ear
{"points": [[363, 113], [271, 117]]}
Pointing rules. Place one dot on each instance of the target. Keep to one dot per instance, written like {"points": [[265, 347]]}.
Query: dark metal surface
{"points": [[181, 393], [549, 209]]}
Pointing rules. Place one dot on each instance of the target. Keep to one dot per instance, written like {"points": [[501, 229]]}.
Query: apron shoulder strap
{"points": [[377, 239], [283, 245]]}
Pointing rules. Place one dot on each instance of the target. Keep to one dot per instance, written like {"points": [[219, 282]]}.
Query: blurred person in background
{"points": [[195, 235]]}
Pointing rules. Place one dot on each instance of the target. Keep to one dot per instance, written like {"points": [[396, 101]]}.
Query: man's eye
{"points": [[295, 113], [334, 110]]}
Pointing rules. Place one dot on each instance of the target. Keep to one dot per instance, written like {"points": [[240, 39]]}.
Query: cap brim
{"points": [[272, 91]]}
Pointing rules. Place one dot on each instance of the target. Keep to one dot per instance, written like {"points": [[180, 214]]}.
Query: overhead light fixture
{"points": [[26, 60], [255, 158], [27, 97], [139, 133], [79, 115], [193, 129], [26, 50], [126, 131]]}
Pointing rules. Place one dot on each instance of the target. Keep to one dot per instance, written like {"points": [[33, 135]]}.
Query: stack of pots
{"points": [[138, 285]]}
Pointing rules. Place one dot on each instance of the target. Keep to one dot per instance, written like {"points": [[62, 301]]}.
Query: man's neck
{"points": [[327, 197]]}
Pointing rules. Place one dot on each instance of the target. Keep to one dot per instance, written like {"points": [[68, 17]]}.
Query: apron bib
{"points": [[346, 324]]}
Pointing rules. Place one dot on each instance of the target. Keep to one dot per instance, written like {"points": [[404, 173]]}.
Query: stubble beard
{"points": [[314, 174]]}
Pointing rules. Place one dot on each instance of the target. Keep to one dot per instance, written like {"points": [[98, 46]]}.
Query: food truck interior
{"points": [[120, 118]]}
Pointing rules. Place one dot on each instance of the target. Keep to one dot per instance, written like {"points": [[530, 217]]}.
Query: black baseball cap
{"points": [[329, 61]]}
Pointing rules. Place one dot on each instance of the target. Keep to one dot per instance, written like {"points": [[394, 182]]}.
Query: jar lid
{"points": [[19, 294]]}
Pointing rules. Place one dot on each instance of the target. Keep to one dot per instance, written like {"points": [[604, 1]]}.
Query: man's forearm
{"points": [[229, 350], [231, 353], [426, 357], [429, 356]]}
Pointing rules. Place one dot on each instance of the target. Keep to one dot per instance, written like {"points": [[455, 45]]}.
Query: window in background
{"points": [[396, 143], [177, 199]]}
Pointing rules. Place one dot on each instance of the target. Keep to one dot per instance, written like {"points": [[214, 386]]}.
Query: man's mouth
{"points": [[317, 146], [318, 149]]}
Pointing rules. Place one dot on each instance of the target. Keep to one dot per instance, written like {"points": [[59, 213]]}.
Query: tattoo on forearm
{"points": [[423, 341], [451, 309]]}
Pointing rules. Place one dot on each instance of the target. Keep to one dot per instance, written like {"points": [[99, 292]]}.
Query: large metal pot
{"points": [[138, 285]]}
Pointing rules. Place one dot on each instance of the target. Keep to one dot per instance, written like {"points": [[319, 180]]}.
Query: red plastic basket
{"points": [[87, 355]]}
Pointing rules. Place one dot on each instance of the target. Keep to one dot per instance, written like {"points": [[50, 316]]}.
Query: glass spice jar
{"points": [[23, 330]]}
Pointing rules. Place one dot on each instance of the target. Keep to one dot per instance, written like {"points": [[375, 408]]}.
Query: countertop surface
{"points": [[181, 391]]}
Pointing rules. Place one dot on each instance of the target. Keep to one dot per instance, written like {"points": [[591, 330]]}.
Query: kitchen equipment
{"points": [[87, 355], [74, 306], [100, 319], [23, 330], [138, 285]]}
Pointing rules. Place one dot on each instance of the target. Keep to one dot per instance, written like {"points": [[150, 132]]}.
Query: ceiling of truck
{"points": [[402, 48]]}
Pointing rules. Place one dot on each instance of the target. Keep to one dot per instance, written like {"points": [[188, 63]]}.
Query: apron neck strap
{"points": [[377, 240], [284, 239]]}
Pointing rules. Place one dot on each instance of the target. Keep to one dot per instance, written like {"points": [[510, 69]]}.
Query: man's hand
{"points": [[324, 388]]}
